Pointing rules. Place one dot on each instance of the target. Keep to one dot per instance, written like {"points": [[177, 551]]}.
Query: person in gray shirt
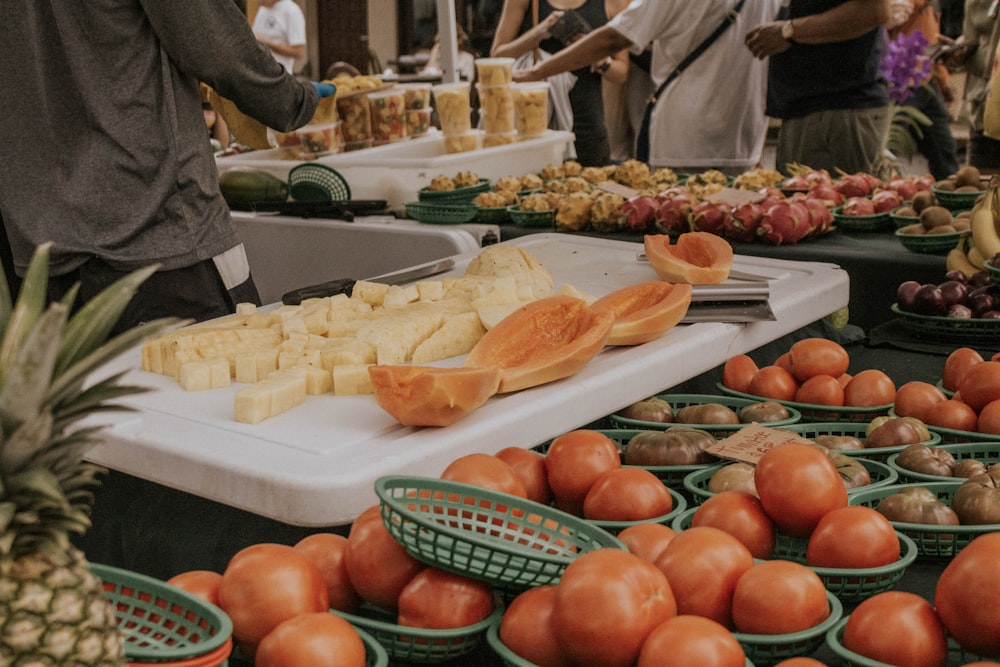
{"points": [[104, 152]]}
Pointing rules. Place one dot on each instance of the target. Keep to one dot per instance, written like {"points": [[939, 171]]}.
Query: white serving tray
{"points": [[315, 465]]}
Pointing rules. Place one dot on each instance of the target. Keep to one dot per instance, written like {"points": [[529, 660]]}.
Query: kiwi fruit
{"points": [[968, 188], [932, 216], [916, 229], [966, 176], [961, 224], [942, 229], [921, 200], [947, 185], [906, 212]]}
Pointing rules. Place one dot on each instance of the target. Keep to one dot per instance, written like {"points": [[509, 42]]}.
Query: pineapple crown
{"points": [[46, 358]]}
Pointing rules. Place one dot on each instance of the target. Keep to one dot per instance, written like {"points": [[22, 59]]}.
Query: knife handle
{"points": [[338, 286]]}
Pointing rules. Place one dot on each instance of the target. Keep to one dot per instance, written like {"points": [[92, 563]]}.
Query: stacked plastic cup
{"points": [[454, 110], [417, 102], [531, 108], [496, 100]]}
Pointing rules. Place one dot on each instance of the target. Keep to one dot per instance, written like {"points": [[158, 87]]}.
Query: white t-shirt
{"points": [[713, 113], [284, 23]]}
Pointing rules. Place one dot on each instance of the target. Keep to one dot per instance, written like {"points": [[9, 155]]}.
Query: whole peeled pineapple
{"points": [[52, 608]]}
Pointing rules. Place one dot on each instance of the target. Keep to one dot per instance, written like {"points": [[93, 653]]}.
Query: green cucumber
{"points": [[242, 188]]}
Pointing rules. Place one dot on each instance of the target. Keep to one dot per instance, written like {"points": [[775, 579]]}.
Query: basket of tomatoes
{"points": [[944, 463], [718, 414], [854, 439]]}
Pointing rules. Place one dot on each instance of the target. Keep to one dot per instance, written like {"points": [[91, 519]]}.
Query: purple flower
{"points": [[905, 65]]}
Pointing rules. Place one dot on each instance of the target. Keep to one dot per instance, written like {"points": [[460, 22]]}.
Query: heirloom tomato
{"points": [[955, 366], [378, 566], [529, 466], [966, 596], [953, 414], [915, 398], [607, 602], [817, 356], [774, 382], [202, 583], [797, 484], [527, 629], [981, 384], [326, 551], [778, 597], [691, 641], [741, 515], [989, 418], [443, 600], [485, 471], [317, 639], [627, 494], [647, 539], [869, 388], [820, 390], [853, 537], [897, 628], [574, 461]]}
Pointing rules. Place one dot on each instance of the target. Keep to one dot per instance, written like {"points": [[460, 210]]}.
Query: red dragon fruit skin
{"points": [[710, 216], [673, 216], [820, 216], [639, 213], [784, 223], [743, 222]]}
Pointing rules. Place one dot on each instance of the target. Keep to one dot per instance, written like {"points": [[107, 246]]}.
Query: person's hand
{"points": [[324, 89], [766, 40], [526, 75], [547, 23], [899, 13]]}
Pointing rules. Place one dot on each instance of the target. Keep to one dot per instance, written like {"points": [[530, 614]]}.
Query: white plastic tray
{"points": [[315, 465]]}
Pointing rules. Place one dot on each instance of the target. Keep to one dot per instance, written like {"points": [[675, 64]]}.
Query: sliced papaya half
{"points": [[644, 311], [543, 341], [432, 396], [697, 258]]}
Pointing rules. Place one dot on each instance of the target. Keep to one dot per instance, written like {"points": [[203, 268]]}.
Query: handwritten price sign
{"points": [[751, 442]]}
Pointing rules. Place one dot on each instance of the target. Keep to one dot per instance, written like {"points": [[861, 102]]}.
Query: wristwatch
{"points": [[788, 31]]}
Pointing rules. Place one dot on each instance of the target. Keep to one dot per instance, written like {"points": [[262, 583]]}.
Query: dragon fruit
{"points": [[784, 223], [820, 216], [710, 216], [673, 215], [858, 206], [886, 200], [639, 213], [743, 222], [853, 185], [826, 192]]}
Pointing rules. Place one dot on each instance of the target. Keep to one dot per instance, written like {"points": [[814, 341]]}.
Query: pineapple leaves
{"points": [[30, 304], [29, 369], [20, 448]]}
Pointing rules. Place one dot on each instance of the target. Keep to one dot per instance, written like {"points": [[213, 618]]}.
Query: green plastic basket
{"points": [[846, 584], [876, 222], [375, 653], [954, 436], [834, 641], [987, 452], [932, 541], [951, 330], [956, 201], [160, 622], [311, 181], [811, 430], [531, 218], [696, 483], [507, 541], [992, 271], [492, 215], [901, 221], [443, 213], [457, 195], [418, 645], [812, 412], [771, 649], [678, 401], [930, 244], [615, 527]]}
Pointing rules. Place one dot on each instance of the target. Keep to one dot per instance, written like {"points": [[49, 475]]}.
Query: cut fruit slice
{"points": [[644, 311], [697, 258], [546, 340], [432, 396]]}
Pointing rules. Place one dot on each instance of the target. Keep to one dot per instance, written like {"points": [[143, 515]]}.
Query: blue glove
{"points": [[324, 89]]}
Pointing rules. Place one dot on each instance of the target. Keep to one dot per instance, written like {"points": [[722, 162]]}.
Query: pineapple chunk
{"points": [[398, 296], [287, 390], [318, 380], [369, 292], [430, 290], [352, 380], [245, 308], [253, 404]]}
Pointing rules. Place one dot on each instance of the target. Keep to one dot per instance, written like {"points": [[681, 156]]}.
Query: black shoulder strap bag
{"points": [[642, 141]]}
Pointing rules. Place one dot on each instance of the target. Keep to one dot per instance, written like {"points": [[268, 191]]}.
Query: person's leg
{"points": [[855, 137], [800, 142], [937, 143], [983, 152]]}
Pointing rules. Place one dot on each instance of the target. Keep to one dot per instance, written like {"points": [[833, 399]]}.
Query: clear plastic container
{"points": [[418, 121], [387, 108], [497, 106], [495, 71], [531, 107], [321, 139], [358, 145], [416, 95], [356, 117], [454, 108], [462, 143]]}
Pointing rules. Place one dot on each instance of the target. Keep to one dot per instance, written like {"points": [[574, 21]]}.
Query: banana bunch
{"points": [[972, 251]]}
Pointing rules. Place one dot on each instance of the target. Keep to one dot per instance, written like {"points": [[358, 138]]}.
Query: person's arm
{"points": [[507, 41], [617, 66], [846, 21], [297, 51], [598, 44]]}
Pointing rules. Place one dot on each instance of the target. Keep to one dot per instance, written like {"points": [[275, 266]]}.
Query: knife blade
{"points": [[346, 285], [735, 274]]}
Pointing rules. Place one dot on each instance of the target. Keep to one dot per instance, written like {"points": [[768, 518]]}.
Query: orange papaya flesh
{"points": [[697, 258], [644, 311], [432, 396], [543, 341]]}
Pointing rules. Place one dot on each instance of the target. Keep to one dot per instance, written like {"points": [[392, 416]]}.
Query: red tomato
{"points": [[966, 596], [798, 484], [785, 361], [738, 372], [869, 388], [988, 420], [800, 661], [956, 365], [203, 583], [442, 600], [953, 414], [691, 641], [821, 390], [703, 565], [852, 537], [647, 540], [573, 463], [529, 466], [265, 584], [774, 382], [897, 628], [318, 639], [627, 494], [777, 597], [326, 551], [981, 384], [607, 603], [486, 471], [527, 630], [817, 356], [741, 515], [377, 565], [915, 398]]}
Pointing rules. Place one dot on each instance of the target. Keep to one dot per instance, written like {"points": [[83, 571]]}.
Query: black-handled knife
{"points": [[346, 285]]}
